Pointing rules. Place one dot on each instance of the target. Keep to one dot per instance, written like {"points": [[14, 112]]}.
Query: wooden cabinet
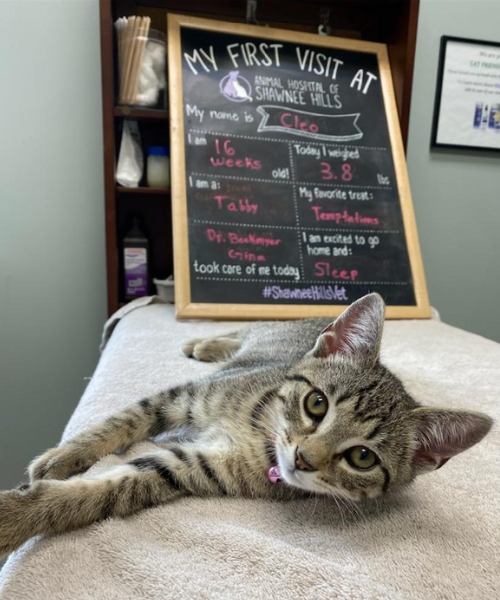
{"points": [[393, 22]]}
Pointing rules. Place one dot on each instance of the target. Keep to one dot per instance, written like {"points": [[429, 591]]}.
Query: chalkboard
{"points": [[289, 187]]}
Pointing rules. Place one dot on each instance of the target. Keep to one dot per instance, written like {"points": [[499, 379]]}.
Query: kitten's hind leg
{"points": [[58, 506], [160, 476], [215, 349]]}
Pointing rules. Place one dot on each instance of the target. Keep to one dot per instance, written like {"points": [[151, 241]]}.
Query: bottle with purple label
{"points": [[136, 262], [478, 115], [484, 120]]}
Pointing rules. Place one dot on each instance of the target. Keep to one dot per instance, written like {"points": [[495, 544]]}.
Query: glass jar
{"points": [[158, 167], [142, 65]]}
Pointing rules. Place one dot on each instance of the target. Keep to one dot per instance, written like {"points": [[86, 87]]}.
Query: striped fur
{"points": [[243, 419]]}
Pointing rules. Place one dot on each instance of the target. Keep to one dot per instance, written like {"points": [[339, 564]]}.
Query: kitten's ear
{"points": [[356, 333], [441, 434]]}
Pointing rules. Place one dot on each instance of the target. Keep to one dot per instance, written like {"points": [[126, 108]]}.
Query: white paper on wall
{"points": [[470, 99]]}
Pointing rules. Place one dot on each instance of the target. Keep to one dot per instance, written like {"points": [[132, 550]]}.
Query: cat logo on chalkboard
{"points": [[236, 88]]}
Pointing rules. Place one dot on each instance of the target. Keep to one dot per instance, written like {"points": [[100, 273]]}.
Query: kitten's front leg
{"points": [[71, 458], [145, 419]]}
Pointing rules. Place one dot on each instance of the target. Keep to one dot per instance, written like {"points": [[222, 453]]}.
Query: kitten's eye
{"points": [[361, 458], [316, 405]]}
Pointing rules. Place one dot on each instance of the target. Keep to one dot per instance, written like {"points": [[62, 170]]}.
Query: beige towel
{"points": [[438, 540]]}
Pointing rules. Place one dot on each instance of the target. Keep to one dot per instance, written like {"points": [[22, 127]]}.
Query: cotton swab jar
{"points": [[141, 62]]}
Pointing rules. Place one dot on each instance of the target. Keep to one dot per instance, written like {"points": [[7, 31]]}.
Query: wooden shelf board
{"points": [[143, 190], [141, 113]]}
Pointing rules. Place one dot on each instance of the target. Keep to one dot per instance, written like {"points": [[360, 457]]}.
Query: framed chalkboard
{"points": [[290, 193]]}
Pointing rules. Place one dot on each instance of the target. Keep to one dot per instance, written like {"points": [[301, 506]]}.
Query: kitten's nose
{"points": [[301, 463]]}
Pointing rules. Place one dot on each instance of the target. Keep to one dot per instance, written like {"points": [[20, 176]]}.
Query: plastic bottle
{"points": [[478, 115], [136, 262], [484, 121], [158, 167]]}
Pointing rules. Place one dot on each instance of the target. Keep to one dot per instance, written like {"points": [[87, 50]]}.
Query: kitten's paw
{"points": [[60, 463], [212, 349], [216, 349], [188, 347]]}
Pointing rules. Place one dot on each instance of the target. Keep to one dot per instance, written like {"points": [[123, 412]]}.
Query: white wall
{"points": [[456, 193], [52, 257]]}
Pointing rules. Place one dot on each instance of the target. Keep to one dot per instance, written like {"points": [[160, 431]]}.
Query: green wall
{"points": [[52, 258], [456, 193]]}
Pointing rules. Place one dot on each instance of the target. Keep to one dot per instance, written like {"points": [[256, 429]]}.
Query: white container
{"points": [[158, 167], [165, 289]]}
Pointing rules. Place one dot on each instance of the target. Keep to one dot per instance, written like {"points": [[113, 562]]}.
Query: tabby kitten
{"points": [[298, 408]]}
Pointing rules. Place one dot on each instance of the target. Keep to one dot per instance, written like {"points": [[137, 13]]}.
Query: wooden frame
{"points": [[439, 89], [188, 309]]}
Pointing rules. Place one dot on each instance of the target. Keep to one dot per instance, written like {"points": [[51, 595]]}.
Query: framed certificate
{"points": [[467, 106]]}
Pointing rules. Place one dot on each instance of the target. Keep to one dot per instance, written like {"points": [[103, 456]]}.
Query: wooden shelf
{"points": [[143, 190], [142, 114], [392, 22]]}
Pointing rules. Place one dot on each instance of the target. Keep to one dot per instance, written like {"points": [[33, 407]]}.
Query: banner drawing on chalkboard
{"points": [[333, 128], [289, 199]]}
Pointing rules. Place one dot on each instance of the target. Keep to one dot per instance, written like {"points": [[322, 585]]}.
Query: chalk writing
{"points": [[289, 174]]}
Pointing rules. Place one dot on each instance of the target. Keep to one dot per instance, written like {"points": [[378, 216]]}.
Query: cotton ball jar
{"points": [[158, 167]]}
